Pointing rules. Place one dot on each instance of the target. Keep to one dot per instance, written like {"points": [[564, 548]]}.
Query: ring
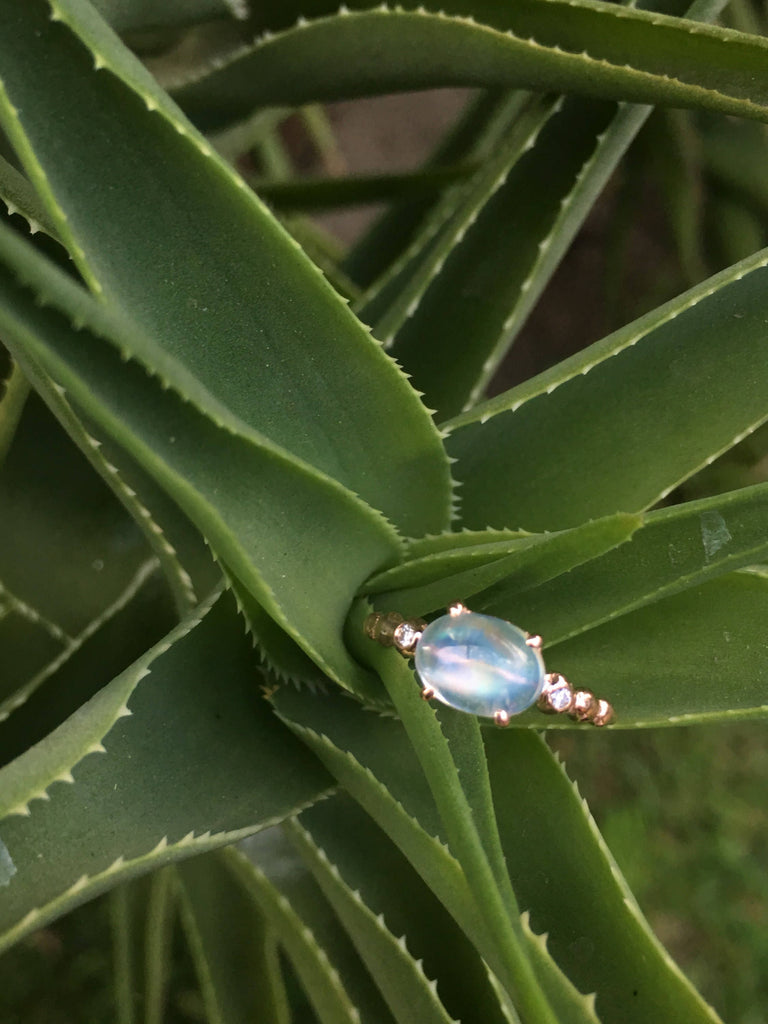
{"points": [[484, 666]]}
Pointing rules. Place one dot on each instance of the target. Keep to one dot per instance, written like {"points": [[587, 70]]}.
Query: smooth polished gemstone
{"points": [[479, 664]]}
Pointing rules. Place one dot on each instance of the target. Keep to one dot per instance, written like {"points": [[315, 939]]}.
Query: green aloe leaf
{"points": [[109, 791], [326, 962], [232, 945], [231, 486], [28, 643], [140, 616], [67, 548], [437, 579], [647, 406], [13, 394], [373, 760], [675, 549], [124, 914], [392, 890], [20, 198], [403, 981], [186, 562], [695, 657], [176, 244], [353, 190], [589, 47], [576, 894]]}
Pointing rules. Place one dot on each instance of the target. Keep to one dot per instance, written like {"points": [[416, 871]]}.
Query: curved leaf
{"points": [[600, 49], [232, 945], [325, 960], [699, 656], [675, 549], [400, 976], [438, 579], [128, 806], [577, 894], [233, 489], [170, 238], [642, 410]]}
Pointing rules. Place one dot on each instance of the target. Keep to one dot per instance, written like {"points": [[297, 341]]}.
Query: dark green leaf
{"points": [[231, 944], [174, 242], [234, 487], [190, 705], [438, 579], [600, 49], [565, 876], [641, 410], [676, 548], [699, 656]]}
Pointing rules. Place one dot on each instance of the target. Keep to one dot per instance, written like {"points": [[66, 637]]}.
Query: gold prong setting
{"points": [[556, 697]]}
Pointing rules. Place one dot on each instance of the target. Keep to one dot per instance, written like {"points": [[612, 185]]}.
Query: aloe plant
{"points": [[224, 443]]}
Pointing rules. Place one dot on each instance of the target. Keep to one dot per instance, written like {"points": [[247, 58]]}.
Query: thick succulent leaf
{"points": [[20, 197], [438, 579], [374, 762], [116, 774], [232, 946], [67, 548], [392, 890], [642, 410], [451, 341], [468, 836], [169, 237], [455, 315], [407, 989], [233, 489], [318, 193], [676, 548], [14, 389], [330, 970], [576, 892], [696, 657], [589, 47], [124, 915]]}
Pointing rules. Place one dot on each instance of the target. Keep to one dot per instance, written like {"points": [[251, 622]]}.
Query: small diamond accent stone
{"points": [[406, 636], [560, 698]]}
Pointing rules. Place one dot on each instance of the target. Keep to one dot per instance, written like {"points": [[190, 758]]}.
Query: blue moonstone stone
{"points": [[479, 664]]}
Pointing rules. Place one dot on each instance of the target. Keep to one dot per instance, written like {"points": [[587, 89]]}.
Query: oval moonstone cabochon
{"points": [[479, 664]]}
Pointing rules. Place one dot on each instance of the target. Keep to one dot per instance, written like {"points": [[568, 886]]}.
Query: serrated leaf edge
{"points": [[22, 695]]}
